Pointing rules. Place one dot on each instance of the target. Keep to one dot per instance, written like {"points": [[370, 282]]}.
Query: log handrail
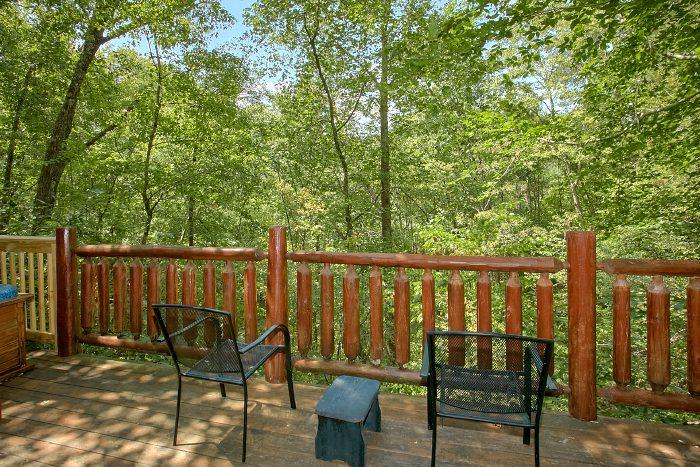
{"points": [[434, 262], [175, 252], [651, 267]]}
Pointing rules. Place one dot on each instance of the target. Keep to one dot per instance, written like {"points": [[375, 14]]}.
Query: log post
{"points": [[455, 318], [152, 297], [87, 295], [427, 303], [376, 316], [135, 298], [545, 311], [351, 313], [402, 318], [250, 302], [483, 319], [66, 292], [119, 290], [514, 322], [327, 308], [277, 312], [581, 295], [103, 294], [228, 290]]}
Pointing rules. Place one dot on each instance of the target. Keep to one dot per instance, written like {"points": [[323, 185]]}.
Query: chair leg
{"points": [[526, 436], [223, 389], [245, 419], [290, 383], [537, 447], [432, 456], [177, 409]]}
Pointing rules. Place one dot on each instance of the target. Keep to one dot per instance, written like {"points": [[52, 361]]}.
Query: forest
{"points": [[450, 127]]}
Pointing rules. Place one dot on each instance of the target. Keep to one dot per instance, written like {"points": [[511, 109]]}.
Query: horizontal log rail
{"points": [[650, 267], [437, 262], [174, 252]]}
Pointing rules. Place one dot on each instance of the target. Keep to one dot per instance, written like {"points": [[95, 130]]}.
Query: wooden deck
{"points": [[85, 410]]}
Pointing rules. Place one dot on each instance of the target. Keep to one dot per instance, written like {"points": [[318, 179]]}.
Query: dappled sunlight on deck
{"points": [[87, 410]]}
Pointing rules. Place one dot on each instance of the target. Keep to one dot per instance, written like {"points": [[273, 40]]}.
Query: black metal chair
{"points": [[494, 378], [203, 345]]}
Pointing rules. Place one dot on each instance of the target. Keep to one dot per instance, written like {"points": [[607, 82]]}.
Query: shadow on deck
{"points": [[86, 410]]}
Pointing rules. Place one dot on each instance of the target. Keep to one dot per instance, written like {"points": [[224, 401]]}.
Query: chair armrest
{"points": [[425, 367], [269, 331]]}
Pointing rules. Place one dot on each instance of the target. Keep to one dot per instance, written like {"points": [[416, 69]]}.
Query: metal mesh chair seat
{"points": [[496, 378], [463, 390], [221, 364], [203, 345]]}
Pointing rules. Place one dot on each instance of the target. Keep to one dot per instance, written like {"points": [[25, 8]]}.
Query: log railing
{"points": [[110, 306], [658, 335], [28, 263], [456, 266]]}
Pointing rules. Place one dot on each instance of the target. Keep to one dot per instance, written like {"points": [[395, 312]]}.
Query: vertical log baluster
{"points": [[250, 303], [483, 320], [209, 285], [32, 304], [171, 293], [13, 269], [87, 295], [3, 267], [622, 348], [119, 286], [189, 297], [514, 321], [103, 294], [658, 335], [402, 321], [351, 313], [135, 298], [209, 292], [427, 302], [304, 309], [152, 297], [327, 305], [41, 297], [693, 310], [455, 318], [22, 274], [545, 311], [228, 285], [376, 316]]}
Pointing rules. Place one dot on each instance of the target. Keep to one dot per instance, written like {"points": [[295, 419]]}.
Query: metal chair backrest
{"points": [[199, 336]]}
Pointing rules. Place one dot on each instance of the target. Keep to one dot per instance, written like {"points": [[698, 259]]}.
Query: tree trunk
{"points": [[54, 159], [335, 132], [7, 202], [149, 204], [384, 166]]}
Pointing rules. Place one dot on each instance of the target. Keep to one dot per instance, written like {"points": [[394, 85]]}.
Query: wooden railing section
{"points": [[658, 343], [117, 313], [28, 263], [378, 262]]}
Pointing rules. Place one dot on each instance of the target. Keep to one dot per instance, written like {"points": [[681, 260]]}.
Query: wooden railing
{"points": [[77, 305], [658, 324], [28, 263]]}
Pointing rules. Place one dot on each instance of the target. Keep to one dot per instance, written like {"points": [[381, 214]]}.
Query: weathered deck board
{"points": [[87, 410]]}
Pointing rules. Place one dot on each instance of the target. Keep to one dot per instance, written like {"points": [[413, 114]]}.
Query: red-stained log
{"points": [[327, 299], [152, 297], [67, 300], [135, 297], [581, 256], [693, 304], [545, 311], [172, 252], [351, 313], [119, 290], [103, 294], [658, 334], [189, 297], [428, 302], [514, 321], [250, 304], [87, 296], [228, 285], [483, 319], [304, 317], [277, 300], [376, 316], [455, 317], [402, 319], [209, 285], [171, 291], [622, 348]]}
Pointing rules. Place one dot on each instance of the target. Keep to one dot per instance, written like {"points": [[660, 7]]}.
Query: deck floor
{"points": [[86, 410]]}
